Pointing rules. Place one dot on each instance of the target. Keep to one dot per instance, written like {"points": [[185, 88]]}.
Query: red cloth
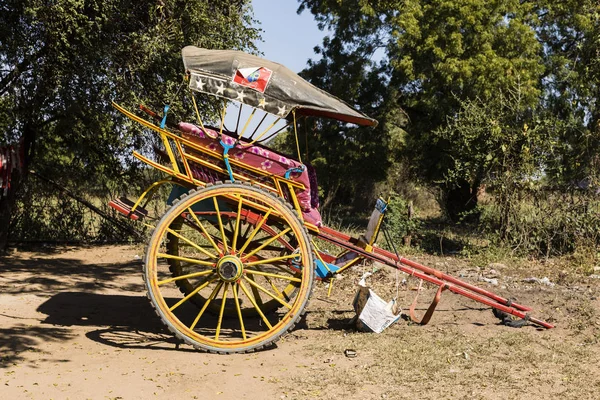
{"points": [[10, 159]]}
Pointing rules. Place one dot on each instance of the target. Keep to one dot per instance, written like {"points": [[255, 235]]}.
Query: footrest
{"points": [[124, 206], [325, 271]]}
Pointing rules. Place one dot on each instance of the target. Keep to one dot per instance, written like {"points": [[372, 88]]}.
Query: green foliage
{"points": [[397, 221], [570, 31], [500, 96], [434, 55], [500, 144], [546, 224], [43, 214], [63, 62]]}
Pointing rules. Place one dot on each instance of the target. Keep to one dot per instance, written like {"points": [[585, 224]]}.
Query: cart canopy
{"points": [[263, 84]]}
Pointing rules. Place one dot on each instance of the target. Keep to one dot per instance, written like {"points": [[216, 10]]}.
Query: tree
{"points": [[437, 54], [348, 159], [64, 61], [570, 31], [503, 144]]}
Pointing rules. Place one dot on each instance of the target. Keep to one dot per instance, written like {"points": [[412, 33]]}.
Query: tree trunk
{"points": [[461, 201], [330, 197], [407, 239]]}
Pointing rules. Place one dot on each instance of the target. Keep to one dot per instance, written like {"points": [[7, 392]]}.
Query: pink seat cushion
{"points": [[256, 156]]}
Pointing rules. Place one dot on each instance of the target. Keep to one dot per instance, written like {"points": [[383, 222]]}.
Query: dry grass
{"points": [[462, 354]]}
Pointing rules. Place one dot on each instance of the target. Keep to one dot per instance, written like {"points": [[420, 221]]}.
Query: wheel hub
{"points": [[230, 268]]}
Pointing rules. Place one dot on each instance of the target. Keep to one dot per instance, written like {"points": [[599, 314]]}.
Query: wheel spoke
{"points": [[210, 298], [268, 242], [270, 260], [265, 320], [206, 234], [225, 290], [256, 293], [255, 231], [285, 269], [245, 234], [220, 224], [268, 274], [190, 260], [192, 293], [274, 287], [237, 225], [239, 311], [194, 245], [265, 291], [192, 275]]}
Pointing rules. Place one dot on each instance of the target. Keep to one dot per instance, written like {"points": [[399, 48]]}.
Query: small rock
{"points": [[594, 276], [491, 281], [350, 353], [543, 281], [136, 257]]}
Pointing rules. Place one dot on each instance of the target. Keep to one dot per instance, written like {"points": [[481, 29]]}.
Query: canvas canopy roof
{"points": [[263, 84]]}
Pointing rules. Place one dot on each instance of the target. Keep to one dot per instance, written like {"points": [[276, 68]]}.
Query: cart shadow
{"points": [[348, 324], [126, 322], [43, 275]]}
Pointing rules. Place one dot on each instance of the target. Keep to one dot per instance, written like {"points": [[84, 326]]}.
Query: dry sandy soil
{"points": [[75, 323]]}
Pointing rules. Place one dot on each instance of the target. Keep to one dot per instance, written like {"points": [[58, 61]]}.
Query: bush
{"points": [[545, 223], [397, 221]]}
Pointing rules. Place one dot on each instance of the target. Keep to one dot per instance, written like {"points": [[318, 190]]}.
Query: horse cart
{"points": [[230, 266]]}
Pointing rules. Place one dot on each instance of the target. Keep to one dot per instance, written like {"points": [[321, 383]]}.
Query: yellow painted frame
{"points": [[184, 156]]}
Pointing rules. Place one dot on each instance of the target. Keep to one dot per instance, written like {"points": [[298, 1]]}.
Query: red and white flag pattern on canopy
{"points": [[256, 78]]}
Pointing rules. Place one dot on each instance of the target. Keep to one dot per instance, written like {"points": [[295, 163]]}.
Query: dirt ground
{"points": [[75, 324]]}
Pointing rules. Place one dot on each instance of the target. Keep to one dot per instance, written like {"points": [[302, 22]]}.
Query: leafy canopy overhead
{"points": [[64, 61], [428, 59]]}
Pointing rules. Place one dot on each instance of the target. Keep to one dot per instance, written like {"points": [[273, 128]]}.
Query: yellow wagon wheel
{"points": [[178, 268], [242, 273]]}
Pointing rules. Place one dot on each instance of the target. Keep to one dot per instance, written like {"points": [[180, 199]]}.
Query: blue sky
{"points": [[288, 38]]}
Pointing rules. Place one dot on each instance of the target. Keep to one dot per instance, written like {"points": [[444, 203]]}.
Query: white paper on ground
{"points": [[363, 279], [377, 314]]}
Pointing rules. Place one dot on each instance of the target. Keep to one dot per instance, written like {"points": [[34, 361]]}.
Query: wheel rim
{"points": [[238, 276]]}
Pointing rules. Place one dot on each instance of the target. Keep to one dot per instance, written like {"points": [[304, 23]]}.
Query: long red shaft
{"points": [[432, 275]]}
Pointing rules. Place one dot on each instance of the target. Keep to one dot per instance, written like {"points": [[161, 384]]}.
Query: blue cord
{"points": [[295, 169], [226, 149], [164, 120]]}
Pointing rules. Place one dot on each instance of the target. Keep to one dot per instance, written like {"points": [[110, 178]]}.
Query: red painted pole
{"points": [[432, 275]]}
